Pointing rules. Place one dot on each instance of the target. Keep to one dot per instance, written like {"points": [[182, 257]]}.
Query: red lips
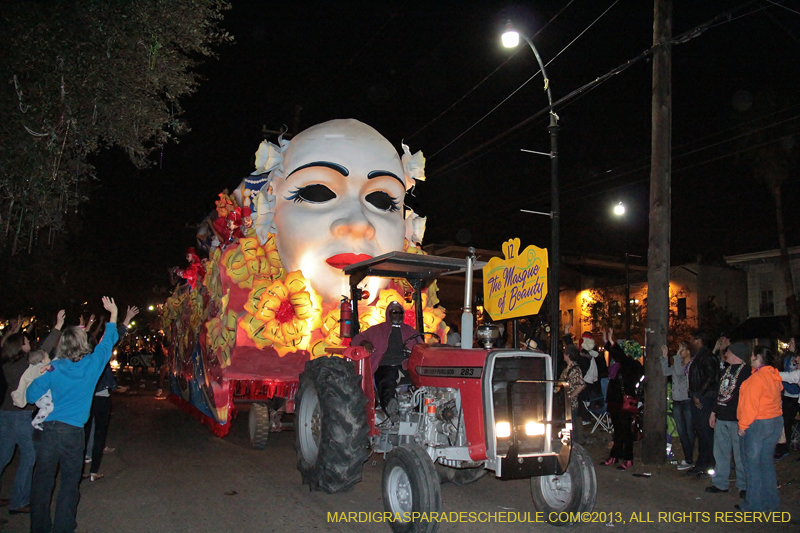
{"points": [[343, 260]]}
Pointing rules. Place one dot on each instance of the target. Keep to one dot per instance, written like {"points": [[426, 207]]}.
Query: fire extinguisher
{"points": [[346, 318]]}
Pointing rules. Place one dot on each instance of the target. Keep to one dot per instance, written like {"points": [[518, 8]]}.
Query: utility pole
{"points": [[658, 262]]}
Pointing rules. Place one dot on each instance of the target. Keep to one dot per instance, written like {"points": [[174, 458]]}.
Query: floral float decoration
{"points": [[251, 311]]}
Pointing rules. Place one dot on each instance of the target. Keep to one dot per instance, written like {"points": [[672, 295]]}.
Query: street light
{"points": [[619, 210], [510, 40]]}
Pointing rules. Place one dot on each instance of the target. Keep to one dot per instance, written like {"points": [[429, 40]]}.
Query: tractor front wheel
{"points": [[573, 491], [411, 485]]}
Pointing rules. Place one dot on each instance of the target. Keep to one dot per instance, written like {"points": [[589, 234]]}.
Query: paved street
{"points": [[170, 474]]}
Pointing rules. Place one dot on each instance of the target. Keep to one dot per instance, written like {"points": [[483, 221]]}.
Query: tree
{"points": [[605, 308], [82, 75], [771, 150]]}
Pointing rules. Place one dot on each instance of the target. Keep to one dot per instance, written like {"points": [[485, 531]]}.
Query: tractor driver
{"points": [[386, 343]]}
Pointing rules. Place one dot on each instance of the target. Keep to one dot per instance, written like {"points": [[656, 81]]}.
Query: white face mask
{"points": [[327, 220]]}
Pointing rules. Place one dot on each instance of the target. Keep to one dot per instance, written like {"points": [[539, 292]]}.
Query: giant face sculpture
{"points": [[338, 200]]}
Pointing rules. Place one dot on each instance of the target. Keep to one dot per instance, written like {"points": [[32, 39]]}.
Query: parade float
{"points": [[271, 293]]}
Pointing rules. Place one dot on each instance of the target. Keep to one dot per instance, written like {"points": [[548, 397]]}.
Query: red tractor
{"points": [[463, 413]]}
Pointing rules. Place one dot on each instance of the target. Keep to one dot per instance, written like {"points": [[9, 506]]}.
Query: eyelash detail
{"points": [[395, 205], [380, 199], [294, 196], [313, 194]]}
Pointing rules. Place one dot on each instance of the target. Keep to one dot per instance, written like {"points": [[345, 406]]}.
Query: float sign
{"points": [[517, 285]]}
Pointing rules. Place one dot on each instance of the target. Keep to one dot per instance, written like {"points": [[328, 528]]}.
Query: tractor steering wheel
{"points": [[422, 336]]}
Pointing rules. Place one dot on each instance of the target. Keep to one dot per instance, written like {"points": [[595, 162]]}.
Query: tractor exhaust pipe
{"points": [[466, 316]]}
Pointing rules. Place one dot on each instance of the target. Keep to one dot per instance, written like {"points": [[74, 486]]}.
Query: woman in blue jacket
{"points": [[71, 380]]}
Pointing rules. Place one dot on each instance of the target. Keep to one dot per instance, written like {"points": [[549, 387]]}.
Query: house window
{"points": [[767, 306], [681, 308]]}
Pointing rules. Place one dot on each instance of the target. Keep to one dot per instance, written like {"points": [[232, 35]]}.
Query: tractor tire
{"points": [[574, 491], [330, 425], [258, 421], [410, 485]]}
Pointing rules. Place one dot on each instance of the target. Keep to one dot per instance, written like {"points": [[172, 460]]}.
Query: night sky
{"points": [[426, 73]]}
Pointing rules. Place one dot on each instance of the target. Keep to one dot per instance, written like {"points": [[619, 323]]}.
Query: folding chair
{"points": [[600, 415]]}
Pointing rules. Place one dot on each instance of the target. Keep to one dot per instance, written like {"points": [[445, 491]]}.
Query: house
{"points": [[766, 293], [582, 275], [692, 287]]}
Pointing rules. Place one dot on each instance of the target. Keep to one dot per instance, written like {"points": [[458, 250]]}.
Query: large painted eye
{"points": [[382, 201], [315, 194]]}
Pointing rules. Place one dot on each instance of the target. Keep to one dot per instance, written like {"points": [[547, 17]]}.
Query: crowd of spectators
{"points": [[69, 379]]}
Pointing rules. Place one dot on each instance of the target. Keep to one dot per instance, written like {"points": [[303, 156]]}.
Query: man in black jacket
{"points": [[703, 387]]}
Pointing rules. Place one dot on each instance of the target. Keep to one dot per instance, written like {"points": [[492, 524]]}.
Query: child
{"points": [[37, 360]]}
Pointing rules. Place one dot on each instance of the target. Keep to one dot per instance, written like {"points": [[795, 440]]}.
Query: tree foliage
{"points": [[771, 149], [80, 75], [605, 308]]}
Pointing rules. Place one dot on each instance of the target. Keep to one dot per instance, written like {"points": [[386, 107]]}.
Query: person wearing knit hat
{"points": [[724, 422]]}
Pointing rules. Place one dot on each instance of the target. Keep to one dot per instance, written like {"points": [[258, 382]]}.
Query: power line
{"points": [[514, 206], [495, 108], [777, 4], [685, 37], [486, 78]]}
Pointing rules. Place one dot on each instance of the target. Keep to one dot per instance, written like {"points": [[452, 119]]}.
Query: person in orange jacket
{"points": [[760, 423]]}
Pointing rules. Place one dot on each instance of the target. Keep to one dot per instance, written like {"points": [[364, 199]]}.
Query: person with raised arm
{"points": [[71, 379], [15, 422]]}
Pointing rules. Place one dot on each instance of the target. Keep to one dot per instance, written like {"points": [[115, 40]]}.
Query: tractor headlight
{"points": [[534, 428], [503, 430]]}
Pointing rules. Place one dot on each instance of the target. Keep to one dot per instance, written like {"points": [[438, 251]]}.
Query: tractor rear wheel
{"points": [[330, 425], [258, 421], [573, 491]]}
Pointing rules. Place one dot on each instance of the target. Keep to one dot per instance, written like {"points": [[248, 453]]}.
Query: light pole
{"points": [[511, 40], [619, 210]]}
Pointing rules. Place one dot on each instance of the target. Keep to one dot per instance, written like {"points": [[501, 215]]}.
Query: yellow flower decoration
{"points": [[255, 329], [387, 296], [284, 314], [212, 281], [221, 333], [249, 262], [236, 267], [271, 252]]}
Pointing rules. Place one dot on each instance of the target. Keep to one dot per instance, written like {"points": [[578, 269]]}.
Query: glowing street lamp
{"points": [[619, 209], [511, 39]]}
